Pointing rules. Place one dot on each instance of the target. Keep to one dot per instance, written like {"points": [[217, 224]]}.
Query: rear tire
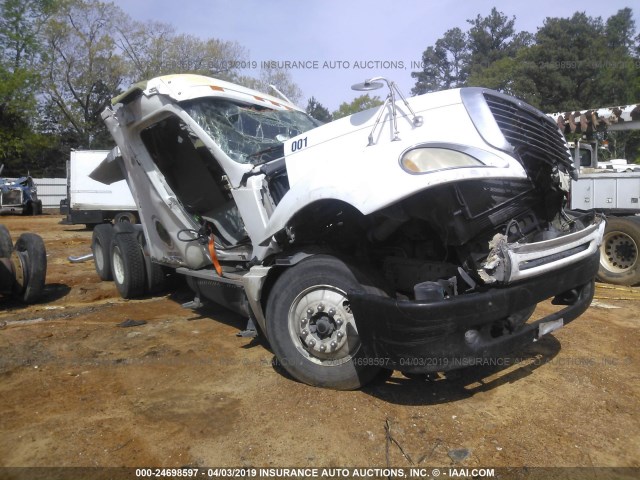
{"points": [[127, 264], [310, 325], [619, 252], [100, 246], [31, 256]]}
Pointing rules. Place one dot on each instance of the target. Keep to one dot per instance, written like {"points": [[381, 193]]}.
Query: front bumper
{"points": [[418, 336]]}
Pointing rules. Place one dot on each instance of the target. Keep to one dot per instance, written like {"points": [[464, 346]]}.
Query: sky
{"points": [[337, 43]]}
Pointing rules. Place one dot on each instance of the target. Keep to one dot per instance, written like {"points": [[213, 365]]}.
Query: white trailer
{"points": [[91, 202]]}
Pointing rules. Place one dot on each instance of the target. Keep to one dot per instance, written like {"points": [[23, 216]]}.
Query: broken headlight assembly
{"points": [[430, 159]]}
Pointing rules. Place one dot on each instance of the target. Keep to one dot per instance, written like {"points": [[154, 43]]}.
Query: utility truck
{"points": [[611, 187], [384, 240], [91, 202]]}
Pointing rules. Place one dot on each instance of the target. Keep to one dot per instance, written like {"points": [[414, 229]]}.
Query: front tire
{"points": [[619, 252], [311, 327]]}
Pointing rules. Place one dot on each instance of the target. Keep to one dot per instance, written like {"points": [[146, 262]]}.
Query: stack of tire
{"points": [[118, 254]]}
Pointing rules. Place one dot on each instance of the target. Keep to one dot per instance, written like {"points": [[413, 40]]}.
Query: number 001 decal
{"points": [[299, 144]]}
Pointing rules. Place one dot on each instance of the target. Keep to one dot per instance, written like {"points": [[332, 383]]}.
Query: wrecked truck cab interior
{"points": [[194, 175], [381, 240]]}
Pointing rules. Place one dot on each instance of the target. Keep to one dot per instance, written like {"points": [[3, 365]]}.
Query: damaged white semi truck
{"points": [[385, 240]]}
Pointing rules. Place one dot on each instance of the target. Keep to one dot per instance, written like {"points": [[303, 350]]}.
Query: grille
{"points": [[11, 197], [531, 134]]}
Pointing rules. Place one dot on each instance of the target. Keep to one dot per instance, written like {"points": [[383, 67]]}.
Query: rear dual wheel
{"points": [[127, 265], [118, 256], [100, 247]]}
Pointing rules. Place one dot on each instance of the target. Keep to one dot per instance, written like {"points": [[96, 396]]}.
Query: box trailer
{"points": [[91, 202]]}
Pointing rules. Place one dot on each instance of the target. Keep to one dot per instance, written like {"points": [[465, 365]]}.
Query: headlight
{"points": [[424, 160]]}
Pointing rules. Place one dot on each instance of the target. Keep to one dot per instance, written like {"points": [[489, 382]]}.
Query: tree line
{"points": [[569, 64], [62, 61]]}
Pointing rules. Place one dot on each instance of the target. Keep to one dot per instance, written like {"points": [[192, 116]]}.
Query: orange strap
{"points": [[214, 257]]}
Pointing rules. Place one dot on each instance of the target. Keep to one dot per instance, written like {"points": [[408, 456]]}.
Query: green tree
{"points": [[21, 22], [358, 104], [153, 49], [573, 64], [445, 65], [82, 70], [20, 25], [620, 30], [458, 58], [492, 38], [318, 111]]}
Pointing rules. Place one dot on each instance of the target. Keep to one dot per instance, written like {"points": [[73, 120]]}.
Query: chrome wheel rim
{"points": [[322, 325], [118, 266], [619, 252], [98, 255]]}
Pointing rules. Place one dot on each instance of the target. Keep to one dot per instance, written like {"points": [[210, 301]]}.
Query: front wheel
{"points": [[311, 327], [619, 251]]}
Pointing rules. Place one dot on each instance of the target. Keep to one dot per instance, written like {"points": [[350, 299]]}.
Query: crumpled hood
{"points": [[335, 161]]}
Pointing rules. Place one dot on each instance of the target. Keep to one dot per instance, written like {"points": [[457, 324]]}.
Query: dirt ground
{"points": [[77, 390]]}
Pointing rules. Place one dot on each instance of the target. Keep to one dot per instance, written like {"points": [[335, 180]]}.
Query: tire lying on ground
{"points": [[100, 247], [30, 264], [310, 325], [127, 265], [6, 244], [620, 251]]}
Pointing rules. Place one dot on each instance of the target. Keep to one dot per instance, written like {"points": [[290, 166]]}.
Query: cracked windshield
{"points": [[249, 133]]}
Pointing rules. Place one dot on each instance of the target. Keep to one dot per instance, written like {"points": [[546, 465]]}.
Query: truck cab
{"points": [[382, 240]]}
